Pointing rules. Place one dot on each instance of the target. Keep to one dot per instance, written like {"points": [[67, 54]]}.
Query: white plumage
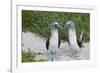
{"points": [[73, 39], [53, 42]]}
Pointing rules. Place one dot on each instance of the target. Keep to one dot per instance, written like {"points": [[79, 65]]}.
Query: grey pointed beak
{"points": [[65, 26], [59, 26]]}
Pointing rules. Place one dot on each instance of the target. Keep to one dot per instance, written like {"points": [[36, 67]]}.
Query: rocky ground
{"points": [[36, 44]]}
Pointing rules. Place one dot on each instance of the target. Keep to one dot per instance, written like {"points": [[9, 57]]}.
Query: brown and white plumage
{"points": [[53, 42], [47, 43], [79, 40], [72, 38]]}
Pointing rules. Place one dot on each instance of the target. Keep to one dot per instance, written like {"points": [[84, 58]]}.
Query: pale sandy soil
{"points": [[37, 44]]}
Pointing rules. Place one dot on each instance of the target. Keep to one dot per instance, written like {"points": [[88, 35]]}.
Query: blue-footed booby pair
{"points": [[53, 42]]}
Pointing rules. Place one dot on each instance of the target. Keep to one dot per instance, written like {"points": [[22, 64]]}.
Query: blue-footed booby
{"points": [[53, 42], [75, 49]]}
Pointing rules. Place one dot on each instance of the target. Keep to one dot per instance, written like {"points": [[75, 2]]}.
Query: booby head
{"points": [[55, 25], [70, 25]]}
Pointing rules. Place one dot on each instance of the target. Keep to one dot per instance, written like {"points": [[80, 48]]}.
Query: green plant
{"points": [[39, 22]]}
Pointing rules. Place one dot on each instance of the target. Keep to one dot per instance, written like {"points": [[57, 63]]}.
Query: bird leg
{"points": [[51, 55], [75, 54]]}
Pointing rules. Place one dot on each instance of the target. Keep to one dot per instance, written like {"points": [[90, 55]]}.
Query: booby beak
{"points": [[59, 27], [65, 26]]}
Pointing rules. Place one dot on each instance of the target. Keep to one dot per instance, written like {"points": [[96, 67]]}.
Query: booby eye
{"points": [[56, 26], [69, 25]]}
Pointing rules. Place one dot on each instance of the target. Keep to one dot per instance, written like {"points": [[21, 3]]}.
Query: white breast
{"points": [[53, 40], [72, 36], [73, 39]]}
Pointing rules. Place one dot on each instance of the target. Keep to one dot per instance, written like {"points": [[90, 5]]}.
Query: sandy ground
{"points": [[37, 44]]}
